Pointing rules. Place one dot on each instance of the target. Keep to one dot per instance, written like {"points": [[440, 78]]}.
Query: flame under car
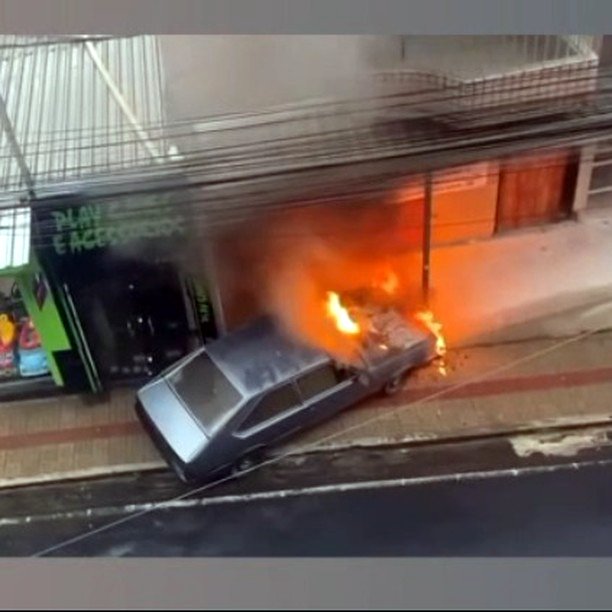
{"points": [[256, 386]]}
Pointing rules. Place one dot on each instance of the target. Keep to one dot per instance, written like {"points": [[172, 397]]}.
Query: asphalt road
{"points": [[565, 512]]}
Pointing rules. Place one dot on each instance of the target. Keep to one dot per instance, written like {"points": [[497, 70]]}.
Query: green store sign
{"points": [[91, 227]]}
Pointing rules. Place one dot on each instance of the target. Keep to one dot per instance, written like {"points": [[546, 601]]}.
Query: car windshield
{"points": [[206, 390]]}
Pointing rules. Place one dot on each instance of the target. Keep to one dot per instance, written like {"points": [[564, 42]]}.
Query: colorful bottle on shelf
{"points": [[32, 357], [8, 336]]}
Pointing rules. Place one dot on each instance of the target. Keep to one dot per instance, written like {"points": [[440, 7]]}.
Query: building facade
{"points": [[110, 154], [98, 266]]}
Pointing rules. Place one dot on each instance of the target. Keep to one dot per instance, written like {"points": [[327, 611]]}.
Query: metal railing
{"points": [[500, 70]]}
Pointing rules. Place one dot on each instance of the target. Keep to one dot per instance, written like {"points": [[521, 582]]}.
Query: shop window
{"points": [[21, 351]]}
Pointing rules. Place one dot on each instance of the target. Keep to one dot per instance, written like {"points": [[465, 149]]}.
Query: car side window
{"points": [[274, 403], [319, 380]]}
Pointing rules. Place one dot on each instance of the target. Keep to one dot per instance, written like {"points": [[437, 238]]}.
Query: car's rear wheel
{"points": [[182, 473], [247, 463]]}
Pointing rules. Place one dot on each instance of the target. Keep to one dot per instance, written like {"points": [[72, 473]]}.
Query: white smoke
{"points": [[208, 75]]}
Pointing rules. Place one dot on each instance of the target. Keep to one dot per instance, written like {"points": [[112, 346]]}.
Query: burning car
{"points": [[241, 393]]}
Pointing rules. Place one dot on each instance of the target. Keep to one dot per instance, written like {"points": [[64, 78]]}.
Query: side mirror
{"points": [[345, 368]]}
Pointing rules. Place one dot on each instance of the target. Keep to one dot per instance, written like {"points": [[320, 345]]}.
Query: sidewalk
{"points": [[553, 281], [571, 385], [65, 438]]}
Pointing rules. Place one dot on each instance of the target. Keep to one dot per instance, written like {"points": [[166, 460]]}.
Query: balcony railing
{"points": [[497, 70]]}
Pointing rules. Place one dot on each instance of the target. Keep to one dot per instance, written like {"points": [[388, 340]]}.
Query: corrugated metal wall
{"points": [[65, 118]]}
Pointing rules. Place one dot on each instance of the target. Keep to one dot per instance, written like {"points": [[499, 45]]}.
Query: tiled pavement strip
{"points": [[65, 438]]}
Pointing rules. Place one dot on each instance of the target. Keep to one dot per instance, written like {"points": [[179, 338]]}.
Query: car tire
{"points": [[363, 380], [184, 476], [394, 385], [246, 463]]}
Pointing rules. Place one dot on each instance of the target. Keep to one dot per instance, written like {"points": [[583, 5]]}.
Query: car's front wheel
{"points": [[395, 384]]}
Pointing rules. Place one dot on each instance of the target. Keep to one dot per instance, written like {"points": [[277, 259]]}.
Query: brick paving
{"points": [[66, 437]]}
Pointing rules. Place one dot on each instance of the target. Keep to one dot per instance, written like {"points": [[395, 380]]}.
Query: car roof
{"points": [[260, 356]]}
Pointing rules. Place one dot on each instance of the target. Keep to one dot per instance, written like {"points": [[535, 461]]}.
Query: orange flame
{"points": [[340, 315], [387, 282], [390, 283], [427, 318]]}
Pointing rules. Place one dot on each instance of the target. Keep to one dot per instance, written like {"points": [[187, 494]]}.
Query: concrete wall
{"points": [[541, 283]]}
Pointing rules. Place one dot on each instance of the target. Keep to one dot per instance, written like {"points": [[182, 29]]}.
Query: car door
{"points": [[274, 415], [327, 389], [315, 395]]}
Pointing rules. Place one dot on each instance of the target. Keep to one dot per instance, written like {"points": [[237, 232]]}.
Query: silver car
{"points": [[241, 393]]}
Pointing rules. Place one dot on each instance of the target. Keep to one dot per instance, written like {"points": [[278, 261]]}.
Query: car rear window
{"points": [[206, 390]]}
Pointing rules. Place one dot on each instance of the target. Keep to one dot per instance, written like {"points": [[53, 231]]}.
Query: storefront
{"points": [[120, 267], [32, 334]]}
